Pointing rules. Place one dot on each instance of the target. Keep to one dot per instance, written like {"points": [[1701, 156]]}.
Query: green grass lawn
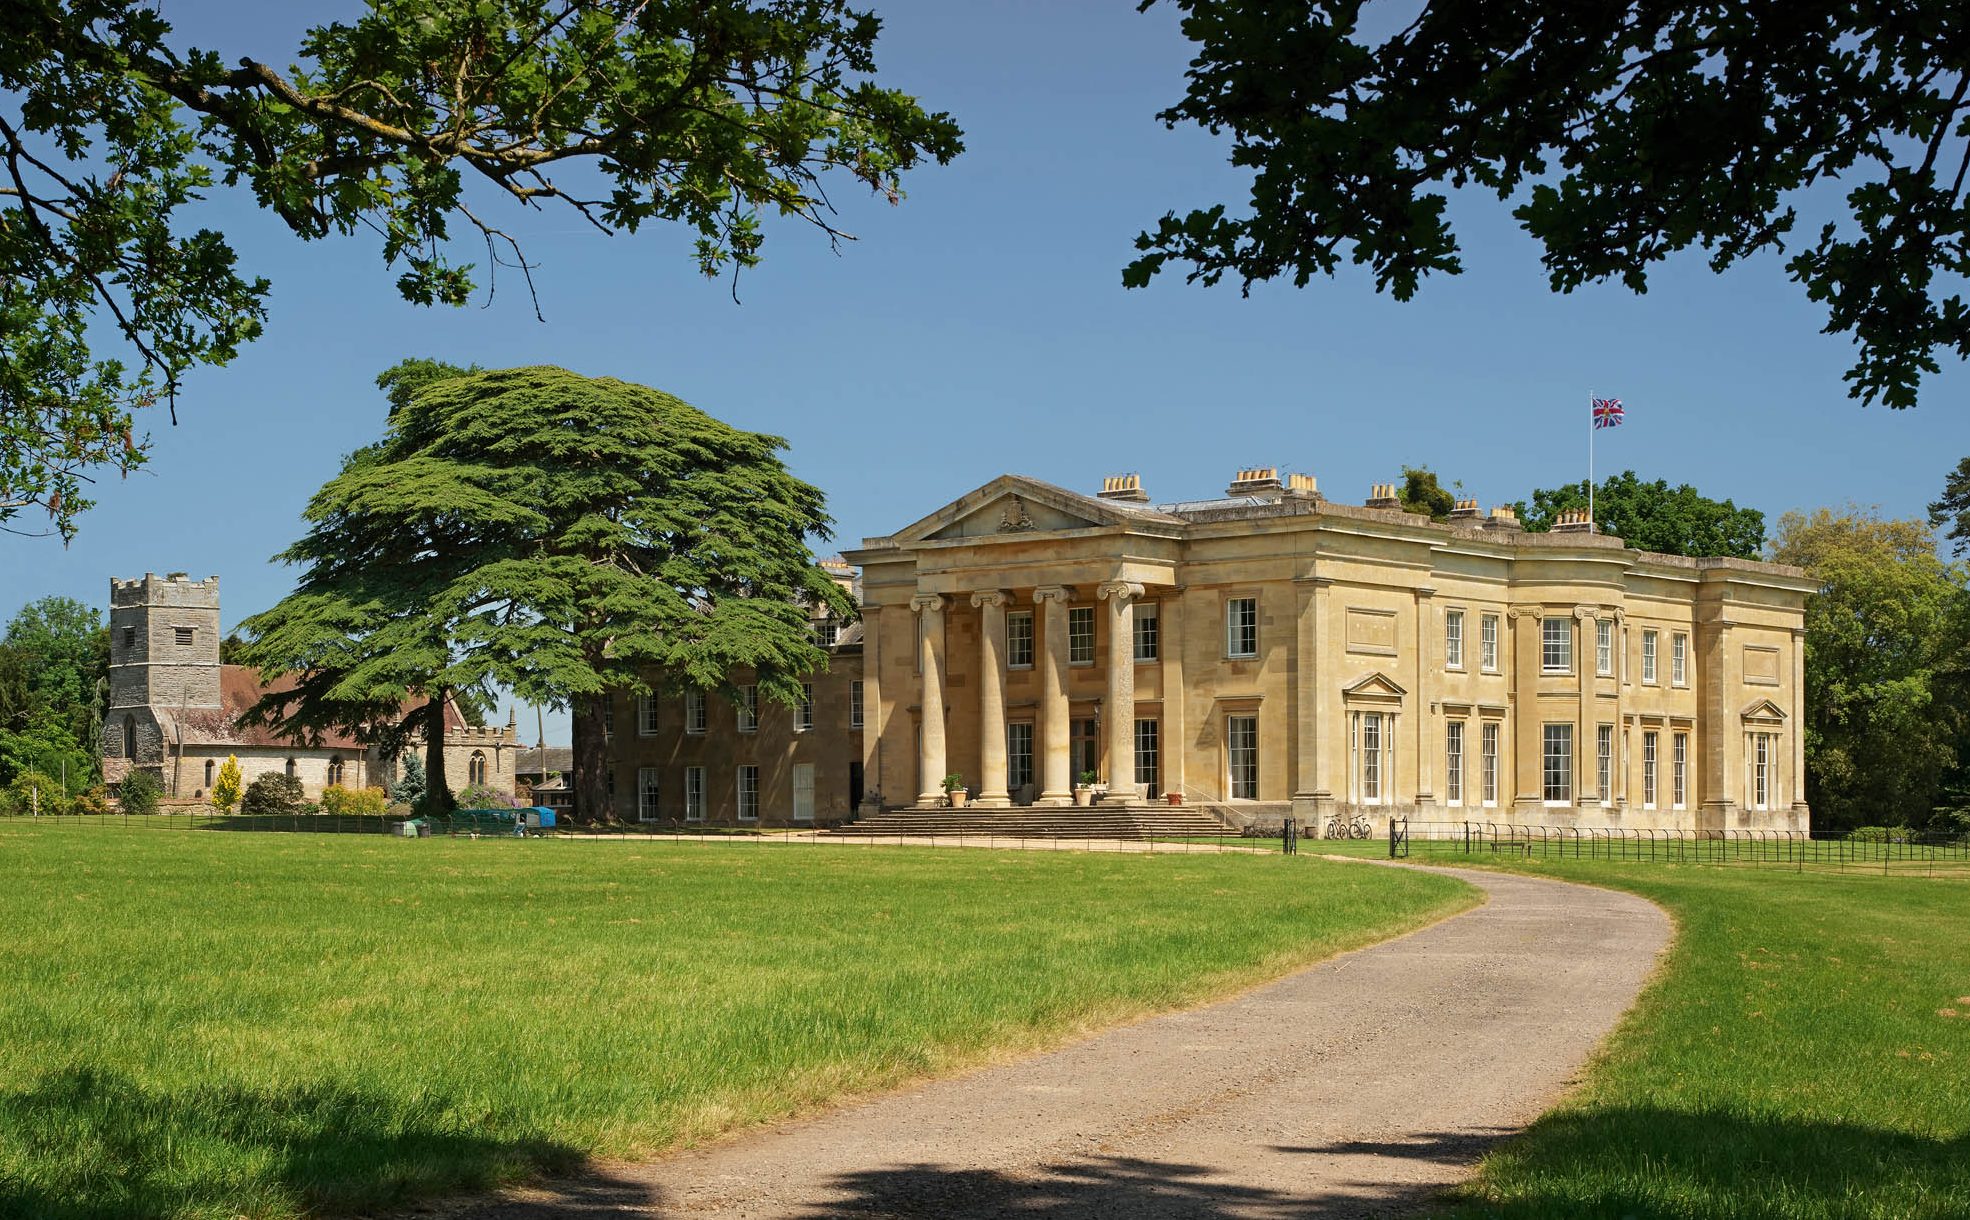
{"points": [[1804, 1054], [219, 1025]]}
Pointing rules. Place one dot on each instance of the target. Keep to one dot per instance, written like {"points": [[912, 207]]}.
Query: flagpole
{"points": [[1590, 462]]}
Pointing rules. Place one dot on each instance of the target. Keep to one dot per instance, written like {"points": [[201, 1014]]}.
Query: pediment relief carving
{"points": [[1013, 513]]}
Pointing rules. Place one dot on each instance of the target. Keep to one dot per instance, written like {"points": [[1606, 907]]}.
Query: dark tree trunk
{"points": [[591, 781], [437, 793]]}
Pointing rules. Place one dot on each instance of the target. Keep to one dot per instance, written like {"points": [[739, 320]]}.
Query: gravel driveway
{"points": [[1359, 1086]]}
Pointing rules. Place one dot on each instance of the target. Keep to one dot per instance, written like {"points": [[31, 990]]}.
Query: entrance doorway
{"points": [[1084, 750]]}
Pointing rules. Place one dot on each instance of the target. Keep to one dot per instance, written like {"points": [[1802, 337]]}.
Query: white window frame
{"points": [[746, 708], [1650, 755], [1019, 754], [646, 715], [1241, 737], [694, 794], [1760, 756], [1147, 634], [1556, 765], [1372, 762], [1551, 641], [1453, 639], [1453, 761], [1148, 755], [1679, 659], [1604, 762], [1019, 639], [1679, 775], [1648, 656], [803, 713], [695, 719], [1241, 628], [1076, 615], [855, 698], [1488, 736], [649, 790], [827, 632], [1604, 647], [746, 792], [1488, 643]]}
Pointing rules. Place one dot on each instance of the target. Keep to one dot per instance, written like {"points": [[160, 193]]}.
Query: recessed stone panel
{"points": [[1761, 665], [1371, 631]]}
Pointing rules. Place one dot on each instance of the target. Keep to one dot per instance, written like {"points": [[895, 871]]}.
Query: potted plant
{"points": [[954, 790], [1175, 798], [1084, 791]]}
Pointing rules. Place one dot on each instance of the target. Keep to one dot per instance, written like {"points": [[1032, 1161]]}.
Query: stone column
{"points": [[1801, 815], [1121, 597], [1526, 778], [1620, 711], [930, 747], [1720, 740], [992, 699], [1307, 769], [1586, 749], [1427, 630], [1056, 785], [1170, 635], [872, 707]]}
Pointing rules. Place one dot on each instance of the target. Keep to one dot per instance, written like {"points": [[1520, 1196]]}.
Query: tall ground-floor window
{"points": [[1453, 761], [1019, 755], [1148, 777], [1488, 751], [748, 794], [1679, 775], [1558, 787], [1648, 770], [1241, 739], [1760, 757], [694, 794], [1371, 749], [1604, 762], [646, 794]]}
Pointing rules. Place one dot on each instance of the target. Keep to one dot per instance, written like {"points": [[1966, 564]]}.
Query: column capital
{"points": [[927, 601], [1119, 590], [1583, 613], [1425, 592], [1053, 593], [1519, 612], [989, 597]]}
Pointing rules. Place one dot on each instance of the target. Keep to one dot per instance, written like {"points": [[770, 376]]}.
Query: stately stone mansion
{"points": [[175, 710], [1268, 653]]}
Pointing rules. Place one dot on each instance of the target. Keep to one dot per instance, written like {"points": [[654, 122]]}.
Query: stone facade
{"points": [[174, 708], [1281, 654]]}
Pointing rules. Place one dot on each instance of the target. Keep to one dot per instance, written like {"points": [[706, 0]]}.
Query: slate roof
{"points": [[240, 688]]}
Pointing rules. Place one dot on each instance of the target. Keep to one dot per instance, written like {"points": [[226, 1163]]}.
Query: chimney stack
{"points": [[1260, 481], [1124, 487], [1504, 517], [1466, 510], [1302, 486], [1573, 521], [1382, 495]]}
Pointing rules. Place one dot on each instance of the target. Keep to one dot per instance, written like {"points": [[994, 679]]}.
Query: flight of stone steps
{"points": [[1133, 822]]}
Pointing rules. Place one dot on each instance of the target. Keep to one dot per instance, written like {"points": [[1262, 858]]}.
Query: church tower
{"points": [[163, 657]]}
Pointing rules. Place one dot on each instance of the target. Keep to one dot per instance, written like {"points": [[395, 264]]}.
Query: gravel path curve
{"points": [[1360, 1086]]}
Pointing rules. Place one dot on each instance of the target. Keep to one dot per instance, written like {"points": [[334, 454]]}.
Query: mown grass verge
{"points": [[207, 1025], [1803, 1055]]}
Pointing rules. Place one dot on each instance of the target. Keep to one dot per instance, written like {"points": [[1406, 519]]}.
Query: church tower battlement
{"points": [[164, 642]]}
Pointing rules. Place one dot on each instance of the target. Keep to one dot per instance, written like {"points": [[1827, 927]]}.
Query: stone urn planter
{"points": [[1083, 797], [1175, 798], [955, 791]]}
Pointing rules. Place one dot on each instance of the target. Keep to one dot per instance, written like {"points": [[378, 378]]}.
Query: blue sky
{"points": [[981, 327]]}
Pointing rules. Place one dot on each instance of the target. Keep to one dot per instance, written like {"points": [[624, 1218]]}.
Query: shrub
{"points": [[138, 792], [225, 789], [337, 799], [32, 791], [1879, 834], [482, 796], [409, 788], [272, 793], [94, 799]]}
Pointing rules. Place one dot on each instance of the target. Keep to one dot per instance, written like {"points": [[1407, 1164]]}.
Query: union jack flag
{"points": [[1607, 413]]}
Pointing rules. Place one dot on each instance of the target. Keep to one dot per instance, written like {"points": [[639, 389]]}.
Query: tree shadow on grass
{"points": [[1651, 1164], [87, 1144]]}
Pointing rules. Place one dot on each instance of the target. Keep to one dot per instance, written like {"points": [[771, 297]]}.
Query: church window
{"points": [[335, 770], [209, 764], [475, 768], [290, 768], [184, 635], [129, 638], [130, 737]]}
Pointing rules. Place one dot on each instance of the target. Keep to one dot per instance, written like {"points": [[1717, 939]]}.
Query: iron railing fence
{"points": [[1935, 854]]}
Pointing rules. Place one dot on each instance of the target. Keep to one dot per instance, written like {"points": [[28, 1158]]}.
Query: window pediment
{"points": [[1377, 689], [1764, 711]]}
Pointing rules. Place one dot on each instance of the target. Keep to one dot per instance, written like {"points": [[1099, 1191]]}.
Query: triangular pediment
{"points": [[1765, 710], [1377, 686], [1012, 505]]}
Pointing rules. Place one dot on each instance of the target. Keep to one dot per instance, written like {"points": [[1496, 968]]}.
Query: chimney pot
{"points": [[1123, 487]]}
